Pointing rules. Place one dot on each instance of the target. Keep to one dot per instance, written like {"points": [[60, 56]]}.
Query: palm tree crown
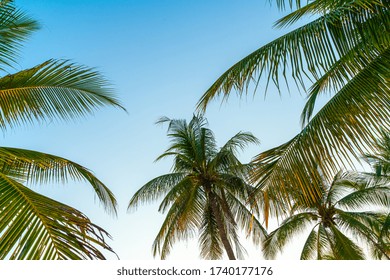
{"points": [[343, 211], [206, 193]]}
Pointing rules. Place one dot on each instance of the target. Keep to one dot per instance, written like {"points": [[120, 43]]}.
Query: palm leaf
{"points": [[310, 247], [155, 189], [309, 51], [210, 242], [343, 247], [374, 196], [16, 26], [343, 128], [40, 168], [52, 90], [35, 227], [367, 226], [278, 238]]}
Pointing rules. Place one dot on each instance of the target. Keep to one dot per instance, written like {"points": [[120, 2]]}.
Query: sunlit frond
{"points": [[206, 195], [343, 129], [344, 248], [16, 27], [50, 91], [290, 227], [35, 227], [155, 189], [40, 168]]}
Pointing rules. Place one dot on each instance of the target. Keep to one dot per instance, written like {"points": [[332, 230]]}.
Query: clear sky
{"points": [[160, 57]]}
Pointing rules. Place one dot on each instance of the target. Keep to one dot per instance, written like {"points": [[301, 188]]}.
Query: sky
{"points": [[160, 57]]}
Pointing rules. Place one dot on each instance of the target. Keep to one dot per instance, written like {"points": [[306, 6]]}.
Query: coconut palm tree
{"points": [[206, 193], [33, 226], [345, 52], [341, 216]]}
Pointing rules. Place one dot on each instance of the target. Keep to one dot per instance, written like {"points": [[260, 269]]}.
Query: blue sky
{"points": [[160, 56]]}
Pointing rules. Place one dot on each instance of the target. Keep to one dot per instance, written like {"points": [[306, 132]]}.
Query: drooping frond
{"points": [[308, 51], [33, 226], [246, 218], [309, 251], [344, 128], [293, 225], [380, 158], [52, 90], [206, 193], [40, 168], [210, 243], [367, 226], [155, 189], [16, 26], [344, 248]]}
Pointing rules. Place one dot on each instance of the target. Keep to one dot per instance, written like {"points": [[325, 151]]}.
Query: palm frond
{"points": [[344, 128], [380, 158], [16, 27], [309, 250], [52, 90], [344, 248], [179, 224], [367, 226], [155, 189], [210, 242], [278, 238], [246, 219], [41, 168], [33, 226], [374, 196]]}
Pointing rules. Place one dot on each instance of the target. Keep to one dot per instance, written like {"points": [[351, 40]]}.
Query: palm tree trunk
{"points": [[221, 228]]}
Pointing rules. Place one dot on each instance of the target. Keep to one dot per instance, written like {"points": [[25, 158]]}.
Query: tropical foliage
{"points": [[380, 162], [342, 216], [343, 52], [205, 195], [33, 226]]}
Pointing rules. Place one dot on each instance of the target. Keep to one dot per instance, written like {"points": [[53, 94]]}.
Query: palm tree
{"points": [[342, 210], [33, 226], [206, 193], [344, 52]]}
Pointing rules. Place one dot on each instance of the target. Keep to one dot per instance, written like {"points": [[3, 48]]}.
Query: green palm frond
{"points": [[180, 223], [210, 243], [309, 51], [206, 193], [52, 90], [344, 248], [180, 190], [246, 219], [40, 168], [155, 188], [380, 158], [375, 196], [35, 227], [368, 227], [16, 26], [278, 238], [342, 129], [309, 250]]}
